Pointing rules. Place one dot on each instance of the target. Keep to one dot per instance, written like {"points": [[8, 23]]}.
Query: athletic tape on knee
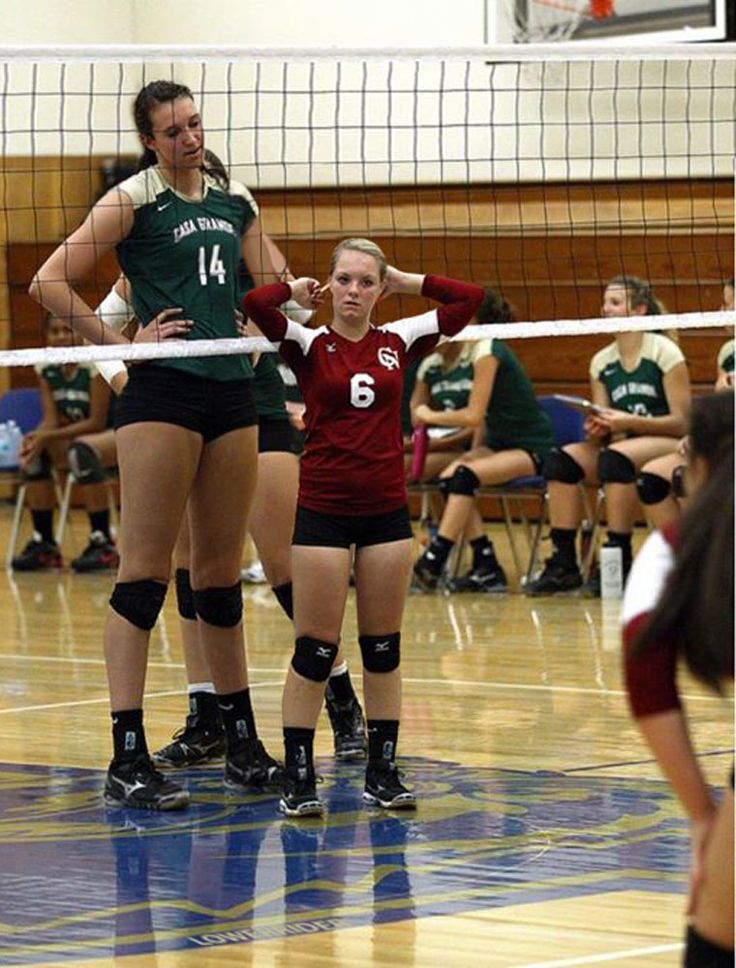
{"points": [[222, 607], [39, 469], [652, 488], [139, 602], [381, 653], [678, 481], [464, 481], [313, 658], [85, 464], [184, 594], [615, 468], [560, 466]]}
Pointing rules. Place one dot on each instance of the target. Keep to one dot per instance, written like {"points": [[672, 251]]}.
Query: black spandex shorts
{"points": [[275, 436], [208, 407], [342, 530]]}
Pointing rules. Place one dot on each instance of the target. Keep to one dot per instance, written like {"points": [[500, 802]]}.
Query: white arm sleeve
{"points": [[415, 327], [115, 312]]}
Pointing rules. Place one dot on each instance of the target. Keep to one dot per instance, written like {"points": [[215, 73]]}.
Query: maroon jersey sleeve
{"points": [[650, 675], [460, 302], [293, 340]]}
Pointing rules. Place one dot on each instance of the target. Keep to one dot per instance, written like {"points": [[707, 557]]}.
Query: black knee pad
{"points": [[139, 601], [85, 464], [39, 469], [184, 594], [464, 481], [615, 468], [678, 481], [559, 466], [443, 485], [381, 653], [313, 658], [222, 607], [652, 488]]}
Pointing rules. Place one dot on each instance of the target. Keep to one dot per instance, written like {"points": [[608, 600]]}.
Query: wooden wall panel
{"points": [[532, 242]]}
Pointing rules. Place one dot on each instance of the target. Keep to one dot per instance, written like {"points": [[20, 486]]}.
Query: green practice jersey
{"points": [[186, 253], [726, 356], [513, 418], [70, 389], [269, 392], [640, 390]]}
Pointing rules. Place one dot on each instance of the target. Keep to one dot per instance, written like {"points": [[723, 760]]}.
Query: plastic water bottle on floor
{"points": [[612, 572]]}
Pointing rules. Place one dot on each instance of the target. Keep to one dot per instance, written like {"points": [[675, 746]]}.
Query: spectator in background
{"points": [[640, 381], [75, 432]]}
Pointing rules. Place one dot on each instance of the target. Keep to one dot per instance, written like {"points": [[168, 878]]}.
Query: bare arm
{"points": [[673, 424], [262, 256], [74, 260]]}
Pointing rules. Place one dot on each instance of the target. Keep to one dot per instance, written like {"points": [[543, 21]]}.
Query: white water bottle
{"points": [[5, 451], [16, 439], [612, 572]]}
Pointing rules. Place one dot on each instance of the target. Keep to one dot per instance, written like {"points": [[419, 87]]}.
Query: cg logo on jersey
{"points": [[388, 358]]}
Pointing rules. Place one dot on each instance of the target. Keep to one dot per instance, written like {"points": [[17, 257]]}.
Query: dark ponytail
{"points": [[215, 168], [494, 308], [157, 92]]}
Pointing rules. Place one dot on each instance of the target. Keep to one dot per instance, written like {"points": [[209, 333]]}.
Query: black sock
{"points": [[622, 540], [100, 521], [563, 540], [285, 596], [484, 557], [203, 706], [129, 740], [298, 749], [237, 717], [340, 688], [437, 554], [43, 522], [383, 734]]}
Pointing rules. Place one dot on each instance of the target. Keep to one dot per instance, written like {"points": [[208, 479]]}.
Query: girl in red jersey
{"points": [[352, 492], [679, 602]]}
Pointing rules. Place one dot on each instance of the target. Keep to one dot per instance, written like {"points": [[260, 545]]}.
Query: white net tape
{"points": [[179, 349]]}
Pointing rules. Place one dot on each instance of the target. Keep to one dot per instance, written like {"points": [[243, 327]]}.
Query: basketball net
{"points": [[553, 21]]}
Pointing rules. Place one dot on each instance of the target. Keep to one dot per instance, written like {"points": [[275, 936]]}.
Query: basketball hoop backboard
{"points": [[631, 21]]}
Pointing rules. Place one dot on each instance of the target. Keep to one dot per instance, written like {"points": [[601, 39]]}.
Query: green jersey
{"points": [[726, 357], [71, 390], [513, 418], [186, 253], [641, 389], [269, 392]]}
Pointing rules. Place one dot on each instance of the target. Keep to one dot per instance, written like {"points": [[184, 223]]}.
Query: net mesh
{"points": [[542, 173]]}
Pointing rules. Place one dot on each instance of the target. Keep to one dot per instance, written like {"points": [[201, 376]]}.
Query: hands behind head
{"points": [[307, 292]]}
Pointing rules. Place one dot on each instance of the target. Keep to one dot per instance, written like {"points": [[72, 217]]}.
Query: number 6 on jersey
{"points": [[361, 394]]}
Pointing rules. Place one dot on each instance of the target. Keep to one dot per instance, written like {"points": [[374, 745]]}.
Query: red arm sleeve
{"points": [[651, 675], [261, 305], [460, 302]]}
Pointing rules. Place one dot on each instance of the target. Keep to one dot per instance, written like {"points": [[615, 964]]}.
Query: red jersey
{"points": [[651, 676], [353, 460]]}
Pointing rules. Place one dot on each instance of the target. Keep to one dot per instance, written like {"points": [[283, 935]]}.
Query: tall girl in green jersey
{"points": [[186, 428], [641, 383]]}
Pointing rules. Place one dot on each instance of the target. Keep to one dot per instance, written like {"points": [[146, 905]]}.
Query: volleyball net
{"points": [[542, 172]]}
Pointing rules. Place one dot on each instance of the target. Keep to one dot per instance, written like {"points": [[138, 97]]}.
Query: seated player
{"points": [[641, 382], [517, 435], [73, 434]]}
